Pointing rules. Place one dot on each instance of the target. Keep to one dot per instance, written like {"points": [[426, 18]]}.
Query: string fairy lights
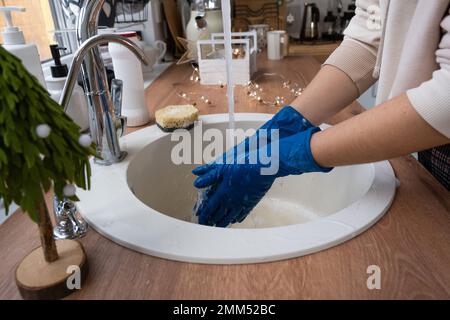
{"points": [[287, 89], [193, 97], [189, 97], [256, 92]]}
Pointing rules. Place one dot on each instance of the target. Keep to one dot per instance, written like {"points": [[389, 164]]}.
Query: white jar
{"points": [[77, 109], [129, 69], [277, 44]]}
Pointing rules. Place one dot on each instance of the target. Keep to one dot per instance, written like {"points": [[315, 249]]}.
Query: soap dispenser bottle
{"points": [[14, 42], [77, 108]]}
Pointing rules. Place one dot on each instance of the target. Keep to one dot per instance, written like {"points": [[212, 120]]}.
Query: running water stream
{"points": [[226, 17]]}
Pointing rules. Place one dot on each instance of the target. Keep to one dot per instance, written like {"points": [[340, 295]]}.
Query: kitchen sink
{"points": [[145, 203]]}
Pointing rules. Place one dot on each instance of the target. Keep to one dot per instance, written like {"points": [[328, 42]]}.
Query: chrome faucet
{"points": [[102, 118], [105, 119]]}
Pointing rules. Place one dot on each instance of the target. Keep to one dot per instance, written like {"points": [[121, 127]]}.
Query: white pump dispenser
{"points": [[14, 42], [12, 34]]}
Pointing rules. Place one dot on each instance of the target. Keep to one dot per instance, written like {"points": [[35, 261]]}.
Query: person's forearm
{"points": [[329, 92], [390, 130]]}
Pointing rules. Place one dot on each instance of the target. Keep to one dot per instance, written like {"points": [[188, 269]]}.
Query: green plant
{"points": [[31, 163]]}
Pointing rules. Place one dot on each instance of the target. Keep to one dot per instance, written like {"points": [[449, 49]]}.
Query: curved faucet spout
{"points": [[104, 121], [84, 50], [87, 23]]}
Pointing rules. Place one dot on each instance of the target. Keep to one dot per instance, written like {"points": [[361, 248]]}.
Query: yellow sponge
{"points": [[175, 117]]}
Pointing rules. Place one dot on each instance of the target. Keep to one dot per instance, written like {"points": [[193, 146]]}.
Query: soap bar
{"points": [[175, 117]]}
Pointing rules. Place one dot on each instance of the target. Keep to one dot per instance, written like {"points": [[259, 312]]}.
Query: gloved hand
{"points": [[288, 121], [233, 190]]}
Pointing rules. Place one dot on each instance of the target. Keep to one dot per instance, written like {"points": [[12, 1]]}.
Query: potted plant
{"points": [[40, 149]]}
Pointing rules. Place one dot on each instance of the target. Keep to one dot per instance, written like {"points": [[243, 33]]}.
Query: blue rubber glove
{"points": [[287, 121], [233, 190]]}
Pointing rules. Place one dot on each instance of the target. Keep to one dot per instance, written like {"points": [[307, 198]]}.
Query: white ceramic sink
{"points": [[145, 203]]}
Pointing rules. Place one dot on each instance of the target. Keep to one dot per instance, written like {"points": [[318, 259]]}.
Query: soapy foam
{"points": [[269, 213], [275, 212]]}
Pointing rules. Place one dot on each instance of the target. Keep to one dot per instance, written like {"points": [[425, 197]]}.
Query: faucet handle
{"points": [[121, 125], [117, 95]]}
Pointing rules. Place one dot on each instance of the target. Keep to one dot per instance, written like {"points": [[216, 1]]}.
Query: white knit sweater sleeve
{"points": [[357, 54], [432, 99]]}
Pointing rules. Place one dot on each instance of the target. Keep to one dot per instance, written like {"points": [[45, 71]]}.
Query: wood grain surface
{"points": [[38, 279], [411, 244]]}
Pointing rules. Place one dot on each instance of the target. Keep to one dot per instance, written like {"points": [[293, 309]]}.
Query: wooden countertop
{"points": [[411, 244]]}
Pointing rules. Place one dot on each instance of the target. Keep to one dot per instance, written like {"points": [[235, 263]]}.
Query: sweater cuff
{"points": [[432, 101], [356, 61]]}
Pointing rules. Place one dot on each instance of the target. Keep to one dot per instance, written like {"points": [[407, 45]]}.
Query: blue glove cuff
{"points": [[315, 167], [289, 121], [296, 156], [305, 122]]}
